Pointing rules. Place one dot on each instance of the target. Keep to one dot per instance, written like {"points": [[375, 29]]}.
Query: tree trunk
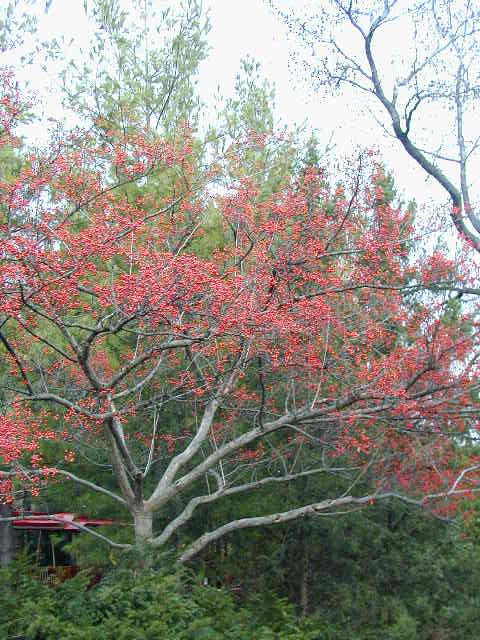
{"points": [[143, 523], [304, 574], [7, 537]]}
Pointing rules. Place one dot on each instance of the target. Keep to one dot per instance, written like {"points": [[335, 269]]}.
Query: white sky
{"points": [[241, 27], [249, 27]]}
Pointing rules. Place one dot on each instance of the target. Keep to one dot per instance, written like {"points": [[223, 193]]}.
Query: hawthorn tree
{"points": [[419, 61], [306, 342]]}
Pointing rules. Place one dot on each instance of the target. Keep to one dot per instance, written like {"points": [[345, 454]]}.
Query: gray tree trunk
{"points": [[143, 527], [143, 523], [7, 536]]}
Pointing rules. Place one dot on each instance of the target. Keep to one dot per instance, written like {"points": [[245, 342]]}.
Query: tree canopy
{"points": [[208, 320]]}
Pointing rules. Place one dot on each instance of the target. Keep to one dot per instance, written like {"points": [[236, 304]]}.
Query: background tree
{"points": [[141, 62], [205, 378], [433, 73]]}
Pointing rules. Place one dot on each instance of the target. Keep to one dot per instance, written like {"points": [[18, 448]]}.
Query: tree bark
{"points": [[7, 537], [143, 524], [305, 570]]}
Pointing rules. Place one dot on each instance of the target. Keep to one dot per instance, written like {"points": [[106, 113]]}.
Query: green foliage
{"points": [[388, 576], [15, 24], [157, 603], [141, 65], [251, 108], [245, 123], [386, 573], [213, 237]]}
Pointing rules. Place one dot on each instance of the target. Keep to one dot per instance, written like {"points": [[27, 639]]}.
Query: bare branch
{"points": [[223, 491], [314, 509]]}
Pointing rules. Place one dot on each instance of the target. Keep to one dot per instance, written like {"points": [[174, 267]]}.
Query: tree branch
{"points": [[314, 509]]}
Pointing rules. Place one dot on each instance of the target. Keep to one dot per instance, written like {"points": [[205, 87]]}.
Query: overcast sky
{"points": [[250, 27]]}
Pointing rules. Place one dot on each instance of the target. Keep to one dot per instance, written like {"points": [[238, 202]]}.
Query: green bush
{"points": [[129, 605]]}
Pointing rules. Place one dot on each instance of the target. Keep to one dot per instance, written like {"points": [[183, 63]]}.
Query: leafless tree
{"points": [[434, 72]]}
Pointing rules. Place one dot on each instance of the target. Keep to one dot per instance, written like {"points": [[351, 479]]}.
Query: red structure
{"points": [[34, 532], [35, 521]]}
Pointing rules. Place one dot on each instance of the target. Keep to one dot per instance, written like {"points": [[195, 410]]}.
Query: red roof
{"points": [[56, 521]]}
